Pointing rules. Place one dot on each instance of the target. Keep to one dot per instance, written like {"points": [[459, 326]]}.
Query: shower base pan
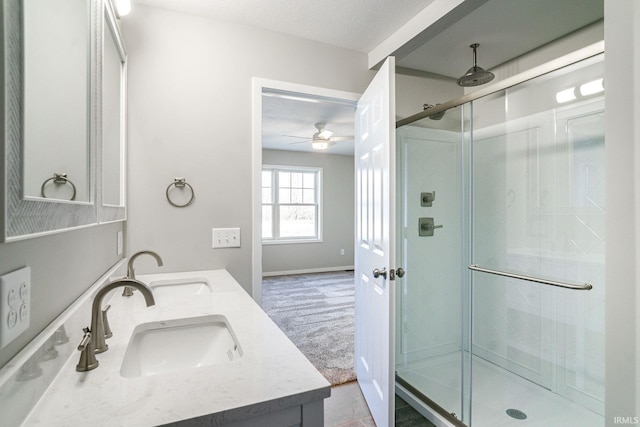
{"points": [[495, 391]]}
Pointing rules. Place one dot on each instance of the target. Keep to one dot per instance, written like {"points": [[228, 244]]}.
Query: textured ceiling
{"points": [[353, 24]]}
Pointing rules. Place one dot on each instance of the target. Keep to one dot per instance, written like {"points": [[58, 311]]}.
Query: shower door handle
{"points": [[377, 273], [392, 273]]}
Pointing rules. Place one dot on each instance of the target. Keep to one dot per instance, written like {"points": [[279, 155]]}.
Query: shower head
{"points": [[475, 76], [436, 116]]}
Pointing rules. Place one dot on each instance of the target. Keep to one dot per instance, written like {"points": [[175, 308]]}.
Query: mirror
{"points": [[56, 110], [113, 119], [48, 119]]}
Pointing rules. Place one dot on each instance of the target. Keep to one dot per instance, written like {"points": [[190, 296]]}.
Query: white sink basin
{"points": [[176, 345], [180, 287]]}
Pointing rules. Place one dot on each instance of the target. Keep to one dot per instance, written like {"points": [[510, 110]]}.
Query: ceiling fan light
{"points": [[319, 145]]}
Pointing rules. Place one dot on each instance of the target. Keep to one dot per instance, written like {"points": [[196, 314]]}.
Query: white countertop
{"points": [[271, 375]]}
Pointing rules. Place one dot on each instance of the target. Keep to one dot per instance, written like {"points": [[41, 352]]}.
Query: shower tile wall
{"points": [[429, 320], [539, 210]]}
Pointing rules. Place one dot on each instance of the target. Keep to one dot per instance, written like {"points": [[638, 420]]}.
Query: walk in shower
{"points": [[501, 209]]}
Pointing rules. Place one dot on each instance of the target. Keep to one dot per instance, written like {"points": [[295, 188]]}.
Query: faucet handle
{"points": [[105, 322], [86, 340], [88, 359]]}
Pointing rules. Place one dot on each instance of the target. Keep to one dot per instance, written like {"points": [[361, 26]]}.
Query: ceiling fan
{"points": [[322, 139]]}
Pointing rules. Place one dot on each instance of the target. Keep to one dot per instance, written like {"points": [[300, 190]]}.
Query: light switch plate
{"points": [[15, 304], [225, 238]]}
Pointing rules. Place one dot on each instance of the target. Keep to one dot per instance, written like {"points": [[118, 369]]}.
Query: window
{"points": [[291, 204]]}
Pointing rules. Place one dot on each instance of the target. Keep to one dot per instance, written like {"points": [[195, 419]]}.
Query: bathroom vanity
{"points": [[162, 369]]}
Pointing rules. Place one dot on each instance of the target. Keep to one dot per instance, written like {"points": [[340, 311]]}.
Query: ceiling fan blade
{"points": [[300, 142], [341, 138], [296, 136], [324, 134]]}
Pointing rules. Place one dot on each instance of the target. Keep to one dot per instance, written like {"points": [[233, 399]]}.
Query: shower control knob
{"points": [[377, 273]]}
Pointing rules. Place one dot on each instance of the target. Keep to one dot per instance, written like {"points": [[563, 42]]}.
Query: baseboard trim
{"points": [[307, 271]]}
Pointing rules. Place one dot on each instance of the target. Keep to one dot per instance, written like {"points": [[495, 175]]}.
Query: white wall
{"points": [[190, 115], [338, 216], [622, 66], [429, 318]]}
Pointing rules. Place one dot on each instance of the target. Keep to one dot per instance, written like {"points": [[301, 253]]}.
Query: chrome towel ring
{"points": [[60, 179], [180, 183]]}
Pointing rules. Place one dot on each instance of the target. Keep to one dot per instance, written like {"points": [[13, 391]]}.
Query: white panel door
{"points": [[375, 244]]}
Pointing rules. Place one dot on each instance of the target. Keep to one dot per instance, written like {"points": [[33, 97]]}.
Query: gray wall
{"points": [[63, 266], [412, 91], [190, 114], [338, 216]]}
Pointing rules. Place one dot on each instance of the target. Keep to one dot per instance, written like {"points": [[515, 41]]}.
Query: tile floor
{"points": [[346, 408]]}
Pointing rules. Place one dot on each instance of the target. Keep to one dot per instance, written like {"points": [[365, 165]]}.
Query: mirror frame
{"points": [[109, 28], [33, 217]]}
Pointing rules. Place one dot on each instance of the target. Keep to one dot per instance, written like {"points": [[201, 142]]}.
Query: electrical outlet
{"points": [[225, 238], [15, 304]]}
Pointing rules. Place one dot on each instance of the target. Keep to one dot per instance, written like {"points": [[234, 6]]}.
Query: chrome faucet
{"points": [[94, 338], [128, 291], [97, 320]]}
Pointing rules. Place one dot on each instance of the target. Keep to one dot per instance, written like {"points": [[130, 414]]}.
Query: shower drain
{"points": [[517, 414]]}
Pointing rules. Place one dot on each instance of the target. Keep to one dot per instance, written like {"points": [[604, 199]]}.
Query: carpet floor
{"points": [[317, 312]]}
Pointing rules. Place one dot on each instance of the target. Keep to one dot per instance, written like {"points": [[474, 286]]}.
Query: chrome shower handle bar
{"points": [[577, 287]]}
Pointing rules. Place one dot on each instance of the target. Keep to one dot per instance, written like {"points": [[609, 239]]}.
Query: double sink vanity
{"points": [[204, 355]]}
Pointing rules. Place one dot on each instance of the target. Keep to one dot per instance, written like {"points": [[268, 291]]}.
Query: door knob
{"points": [[377, 273], [400, 272]]}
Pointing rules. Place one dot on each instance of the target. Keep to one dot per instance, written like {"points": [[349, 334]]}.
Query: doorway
{"points": [[291, 95]]}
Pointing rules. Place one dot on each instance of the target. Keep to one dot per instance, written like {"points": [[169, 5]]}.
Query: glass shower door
{"points": [[429, 339], [538, 211]]}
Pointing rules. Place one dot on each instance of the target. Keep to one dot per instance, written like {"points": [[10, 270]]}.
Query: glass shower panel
{"points": [[430, 296], [538, 210]]}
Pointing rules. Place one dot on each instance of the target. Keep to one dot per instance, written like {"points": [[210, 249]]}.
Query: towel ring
{"points": [[180, 183], [60, 179]]}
